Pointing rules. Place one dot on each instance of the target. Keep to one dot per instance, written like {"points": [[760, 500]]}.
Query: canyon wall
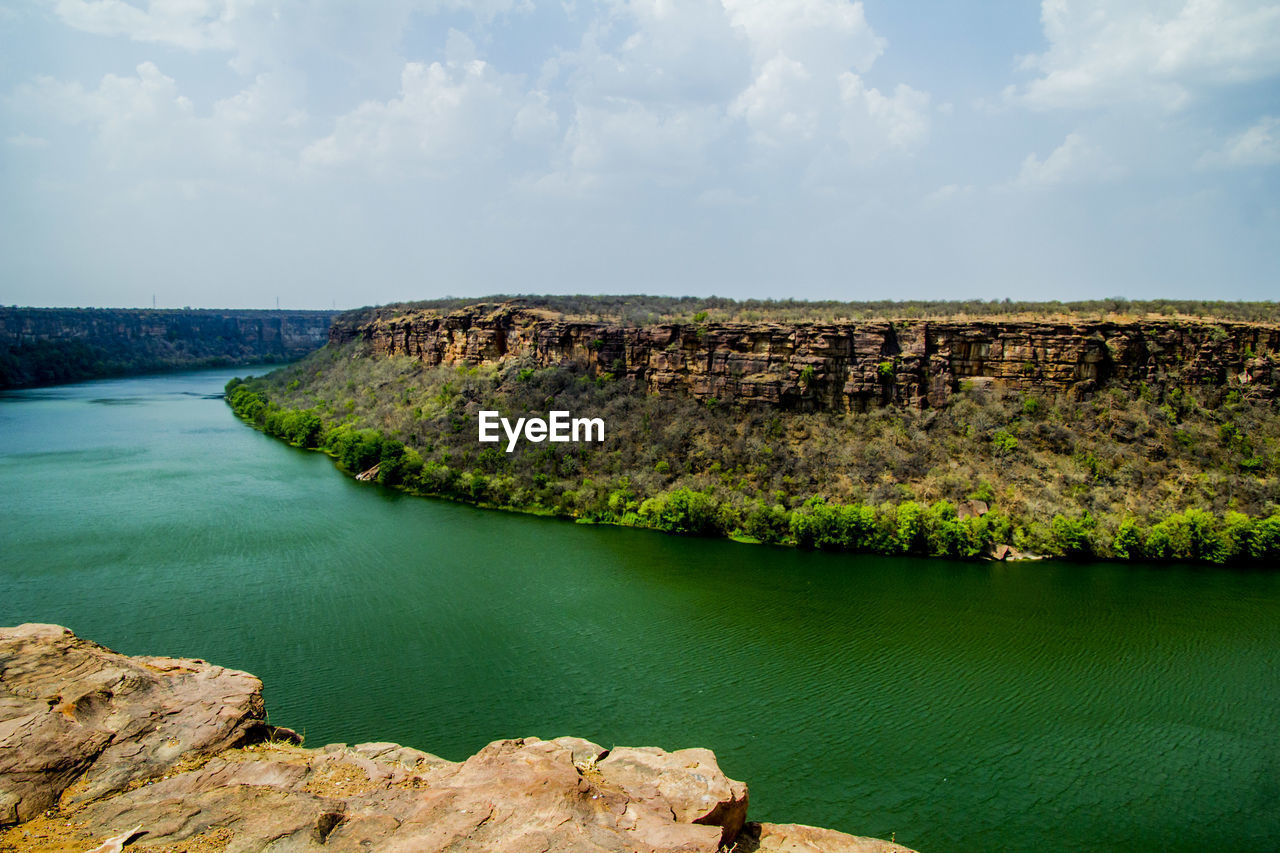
{"points": [[840, 366], [40, 346]]}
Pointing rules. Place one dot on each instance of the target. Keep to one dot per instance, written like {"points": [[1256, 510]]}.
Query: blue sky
{"points": [[232, 152]]}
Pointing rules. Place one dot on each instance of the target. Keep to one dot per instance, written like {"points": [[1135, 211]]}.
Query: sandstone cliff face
{"points": [[38, 345], [95, 744], [841, 367]]}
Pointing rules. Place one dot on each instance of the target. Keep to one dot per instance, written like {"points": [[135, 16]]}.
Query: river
{"points": [[956, 706]]}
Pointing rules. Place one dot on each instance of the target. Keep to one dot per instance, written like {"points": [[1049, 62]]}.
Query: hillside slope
{"points": [[1153, 439]]}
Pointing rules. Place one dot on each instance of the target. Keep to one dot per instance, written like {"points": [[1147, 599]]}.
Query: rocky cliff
{"points": [[839, 367], [176, 755], [41, 346]]}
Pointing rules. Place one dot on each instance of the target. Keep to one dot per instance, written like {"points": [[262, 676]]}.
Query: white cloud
{"points": [[779, 106], [144, 123], [652, 89], [189, 24], [656, 92], [275, 34], [627, 139], [786, 107], [447, 114], [785, 72], [128, 113], [1257, 146], [24, 140], [872, 120], [536, 122], [1074, 161], [1155, 52], [944, 194], [805, 92], [831, 36], [656, 51]]}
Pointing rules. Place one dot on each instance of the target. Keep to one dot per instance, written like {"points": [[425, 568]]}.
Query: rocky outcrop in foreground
{"points": [[838, 366], [94, 744]]}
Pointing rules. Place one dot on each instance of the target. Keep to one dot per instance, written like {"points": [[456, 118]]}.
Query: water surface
{"points": [[959, 706]]}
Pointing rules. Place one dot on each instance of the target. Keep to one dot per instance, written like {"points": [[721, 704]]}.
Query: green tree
{"points": [[1127, 544], [1072, 537]]}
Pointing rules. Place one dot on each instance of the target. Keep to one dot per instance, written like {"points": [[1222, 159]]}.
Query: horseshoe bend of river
{"points": [[958, 706]]}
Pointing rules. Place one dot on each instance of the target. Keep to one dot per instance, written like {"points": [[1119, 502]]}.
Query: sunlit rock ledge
{"points": [[101, 751]]}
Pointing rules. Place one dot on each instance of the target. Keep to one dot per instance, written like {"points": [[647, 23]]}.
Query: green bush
{"points": [[437, 479], [948, 536], [1237, 535], [1206, 538], [683, 511], [835, 527], [768, 523], [1072, 537], [1127, 544], [909, 528], [1168, 539], [355, 450], [1004, 442], [1264, 541]]}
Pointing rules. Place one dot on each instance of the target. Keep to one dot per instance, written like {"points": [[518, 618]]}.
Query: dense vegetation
{"points": [[641, 310], [1133, 473]]}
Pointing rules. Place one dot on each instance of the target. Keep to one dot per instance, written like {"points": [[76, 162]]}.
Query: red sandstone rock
{"points": [[73, 711], [176, 747], [794, 838]]}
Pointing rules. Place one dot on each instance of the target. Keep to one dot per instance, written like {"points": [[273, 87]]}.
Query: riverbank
{"points": [[158, 752], [1000, 500]]}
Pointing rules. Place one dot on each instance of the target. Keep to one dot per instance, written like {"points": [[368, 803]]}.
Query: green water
{"points": [[961, 706]]}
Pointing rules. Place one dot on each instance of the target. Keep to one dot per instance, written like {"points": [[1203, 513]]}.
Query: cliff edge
{"points": [[838, 367], [175, 754]]}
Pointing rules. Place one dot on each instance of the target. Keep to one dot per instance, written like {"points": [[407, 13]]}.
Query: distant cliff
{"points": [[842, 366], [44, 346]]}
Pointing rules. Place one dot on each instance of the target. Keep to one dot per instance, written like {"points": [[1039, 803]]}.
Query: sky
{"points": [[236, 153]]}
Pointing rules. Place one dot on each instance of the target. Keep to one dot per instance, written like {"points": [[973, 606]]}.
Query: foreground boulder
{"points": [[73, 711], [94, 744]]}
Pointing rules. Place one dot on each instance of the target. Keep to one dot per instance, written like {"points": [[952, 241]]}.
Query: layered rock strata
{"points": [[94, 744], [842, 366]]}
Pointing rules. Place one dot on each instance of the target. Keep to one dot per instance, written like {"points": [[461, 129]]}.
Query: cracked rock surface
{"points": [[93, 743]]}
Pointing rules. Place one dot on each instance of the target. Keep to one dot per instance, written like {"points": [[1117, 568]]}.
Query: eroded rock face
{"points": [[93, 743], [840, 367], [72, 711]]}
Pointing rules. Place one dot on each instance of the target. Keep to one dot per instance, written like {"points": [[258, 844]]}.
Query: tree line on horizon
{"points": [[638, 309]]}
